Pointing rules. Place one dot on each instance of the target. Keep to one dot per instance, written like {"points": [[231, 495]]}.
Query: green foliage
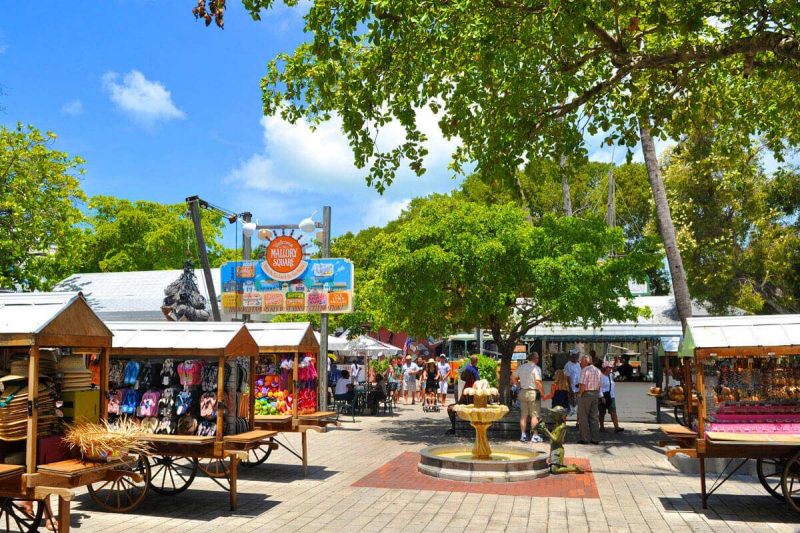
{"points": [[122, 235], [313, 318], [378, 366], [734, 223], [487, 368], [40, 200]]}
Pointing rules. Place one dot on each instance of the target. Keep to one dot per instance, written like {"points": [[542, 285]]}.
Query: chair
{"points": [[388, 402], [345, 407]]}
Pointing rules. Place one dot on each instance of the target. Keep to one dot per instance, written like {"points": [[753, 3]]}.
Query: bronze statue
{"points": [[557, 437]]}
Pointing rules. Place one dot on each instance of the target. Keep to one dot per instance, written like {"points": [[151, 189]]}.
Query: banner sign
{"points": [[287, 283]]}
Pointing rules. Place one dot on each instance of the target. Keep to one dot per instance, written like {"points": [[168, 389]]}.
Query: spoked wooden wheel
{"points": [[14, 517], [123, 493], [216, 468], [257, 456], [171, 475], [770, 473], [790, 481]]}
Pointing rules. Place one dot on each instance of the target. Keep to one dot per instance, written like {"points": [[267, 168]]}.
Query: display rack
{"points": [[747, 375], [28, 323], [176, 458], [294, 342]]}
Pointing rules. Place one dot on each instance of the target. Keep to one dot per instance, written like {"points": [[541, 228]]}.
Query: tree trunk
{"points": [[565, 187], [665, 226], [506, 348]]}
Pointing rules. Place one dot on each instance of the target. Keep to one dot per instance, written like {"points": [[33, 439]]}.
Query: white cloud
{"points": [[382, 210], [73, 108], [146, 102]]}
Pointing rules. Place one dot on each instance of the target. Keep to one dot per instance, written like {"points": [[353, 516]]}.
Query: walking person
{"points": [[559, 392], [444, 377], [573, 372], [528, 378], [397, 369], [420, 375], [431, 383], [588, 402], [608, 403], [410, 370]]}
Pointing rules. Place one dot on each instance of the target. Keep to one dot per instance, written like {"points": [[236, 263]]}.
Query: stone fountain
{"points": [[481, 463]]}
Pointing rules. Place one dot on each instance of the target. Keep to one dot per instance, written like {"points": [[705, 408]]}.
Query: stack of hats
{"points": [[14, 403], [48, 364], [75, 375]]}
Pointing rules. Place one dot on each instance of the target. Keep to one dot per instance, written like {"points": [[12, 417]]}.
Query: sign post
{"points": [[322, 393]]}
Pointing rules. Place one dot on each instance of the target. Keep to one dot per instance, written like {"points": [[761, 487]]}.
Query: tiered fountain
{"points": [[480, 463]]}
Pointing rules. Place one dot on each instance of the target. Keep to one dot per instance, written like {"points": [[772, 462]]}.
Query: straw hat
{"points": [[73, 363], [408, 357], [431, 360]]}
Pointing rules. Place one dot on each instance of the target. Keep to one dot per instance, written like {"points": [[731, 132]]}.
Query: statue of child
{"points": [[557, 437]]}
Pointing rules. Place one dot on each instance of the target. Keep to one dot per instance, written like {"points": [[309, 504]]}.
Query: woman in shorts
{"points": [[431, 382], [607, 400]]}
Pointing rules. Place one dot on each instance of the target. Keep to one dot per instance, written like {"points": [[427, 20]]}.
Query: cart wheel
{"points": [[790, 481], [171, 475], [680, 416], [122, 494], [14, 517], [257, 456], [770, 473], [216, 468]]}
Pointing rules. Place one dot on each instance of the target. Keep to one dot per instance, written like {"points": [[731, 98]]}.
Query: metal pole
{"points": [[322, 392], [479, 338], [246, 252], [194, 211]]}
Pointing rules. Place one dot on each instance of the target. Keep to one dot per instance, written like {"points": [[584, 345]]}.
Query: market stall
{"points": [[31, 326], [285, 385], [183, 382], [747, 374], [670, 380]]}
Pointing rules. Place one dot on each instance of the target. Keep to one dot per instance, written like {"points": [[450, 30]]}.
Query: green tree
{"points": [[40, 198], [122, 235], [456, 265], [734, 222]]}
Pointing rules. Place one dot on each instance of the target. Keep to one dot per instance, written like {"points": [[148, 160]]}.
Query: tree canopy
{"points": [[40, 201], [455, 265]]}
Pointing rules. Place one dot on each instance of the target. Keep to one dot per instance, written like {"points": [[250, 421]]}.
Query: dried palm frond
{"points": [[94, 440]]}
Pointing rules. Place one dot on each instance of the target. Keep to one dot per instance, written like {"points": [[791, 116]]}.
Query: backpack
{"points": [[116, 371], [209, 377], [115, 401], [129, 402], [183, 403], [166, 404], [131, 373], [148, 407], [167, 376], [208, 405]]}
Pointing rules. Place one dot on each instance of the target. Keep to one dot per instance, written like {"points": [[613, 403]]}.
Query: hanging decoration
{"points": [[183, 301]]}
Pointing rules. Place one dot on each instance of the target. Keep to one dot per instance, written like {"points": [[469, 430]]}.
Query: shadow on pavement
{"points": [[747, 508]]}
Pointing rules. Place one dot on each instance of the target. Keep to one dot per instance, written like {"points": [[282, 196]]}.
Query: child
{"points": [[559, 391]]}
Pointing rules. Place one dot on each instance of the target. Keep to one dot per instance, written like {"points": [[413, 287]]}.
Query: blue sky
{"points": [[162, 108]]}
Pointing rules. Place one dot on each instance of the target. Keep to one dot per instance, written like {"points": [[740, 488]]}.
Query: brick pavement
{"points": [[638, 490]]}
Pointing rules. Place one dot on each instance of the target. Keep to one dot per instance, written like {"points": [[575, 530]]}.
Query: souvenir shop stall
{"points": [[41, 337], [286, 384], [670, 377], [746, 371], [182, 382]]}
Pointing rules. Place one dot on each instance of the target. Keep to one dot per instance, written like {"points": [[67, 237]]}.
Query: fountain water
{"points": [[481, 463]]}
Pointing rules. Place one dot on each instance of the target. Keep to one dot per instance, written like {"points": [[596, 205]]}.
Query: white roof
{"points": [[269, 334], [178, 335], [131, 295], [334, 343], [741, 331], [30, 312]]}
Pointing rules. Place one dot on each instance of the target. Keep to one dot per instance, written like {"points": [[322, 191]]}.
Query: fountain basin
{"points": [[507, 463]]}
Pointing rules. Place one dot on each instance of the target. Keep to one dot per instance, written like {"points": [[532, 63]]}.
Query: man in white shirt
{"points": [[357, 373], [444, 374], [528, 378], [573, 372], [410, 370]]}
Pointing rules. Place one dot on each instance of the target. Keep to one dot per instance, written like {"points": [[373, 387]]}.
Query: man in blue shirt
{"points": [[473, 367]]}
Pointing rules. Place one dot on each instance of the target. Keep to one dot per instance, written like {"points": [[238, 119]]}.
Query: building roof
{"points": [[31, 312], [130, 295], [284, 336], [770, 331], [167, 336], [662, 322]]}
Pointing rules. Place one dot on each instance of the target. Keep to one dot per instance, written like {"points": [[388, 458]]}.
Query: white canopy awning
{"points": [[335, 344], [365, 345], [284, 336], [165, 337], [772, 331]]}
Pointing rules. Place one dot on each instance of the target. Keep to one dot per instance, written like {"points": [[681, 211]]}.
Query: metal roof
{"points": [[29, 313], [123, 296], [740, 331], [173, 335], [279, 334], [670, 344]]}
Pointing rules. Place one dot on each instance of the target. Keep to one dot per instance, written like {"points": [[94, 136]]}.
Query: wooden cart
{"points": [[744, 340], [29, 322], [296, 339], [174, 461]]}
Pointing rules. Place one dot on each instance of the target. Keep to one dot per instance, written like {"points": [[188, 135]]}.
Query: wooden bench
{"points": [[191, 440], [257, 435]]}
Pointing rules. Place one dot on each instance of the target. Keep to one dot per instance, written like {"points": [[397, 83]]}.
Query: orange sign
{"points": [[338, 299], [284, 254]]}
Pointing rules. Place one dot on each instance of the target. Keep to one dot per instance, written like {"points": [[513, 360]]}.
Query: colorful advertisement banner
{"points": [[287, 283]]}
